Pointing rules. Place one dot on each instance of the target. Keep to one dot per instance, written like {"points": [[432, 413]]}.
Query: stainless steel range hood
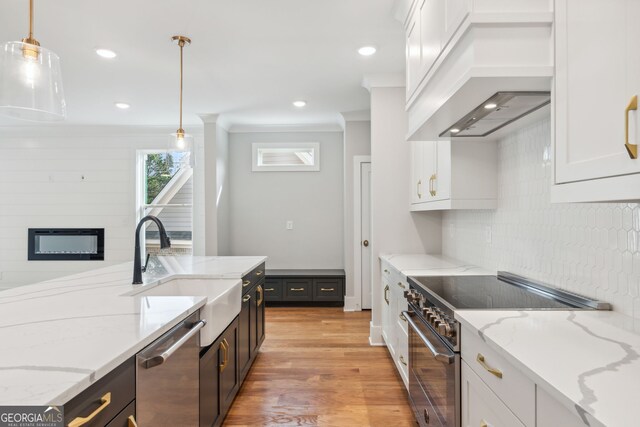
{"points": [[496, 112]]}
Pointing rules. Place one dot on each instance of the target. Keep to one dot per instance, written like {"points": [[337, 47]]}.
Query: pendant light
{"points": [[30, 80], [180, 139]]}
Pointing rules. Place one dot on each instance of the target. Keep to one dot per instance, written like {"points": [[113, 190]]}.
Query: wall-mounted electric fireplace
{"points": [[66, 244]]}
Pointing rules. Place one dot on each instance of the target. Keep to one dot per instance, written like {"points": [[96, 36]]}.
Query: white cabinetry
{"points": [[461, 52], [551, 413], [454, 174], [597, 78], [394, 327]]}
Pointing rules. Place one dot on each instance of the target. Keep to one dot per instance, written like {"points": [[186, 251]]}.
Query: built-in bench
{"points": [[304, 287]]}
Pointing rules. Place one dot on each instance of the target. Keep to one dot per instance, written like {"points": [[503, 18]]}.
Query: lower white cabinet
{"points": [[551, 413], [480, 406], [456, 174], [394, 327]]}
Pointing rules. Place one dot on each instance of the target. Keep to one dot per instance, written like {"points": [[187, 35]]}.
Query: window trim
{"points": [[282, 168]]}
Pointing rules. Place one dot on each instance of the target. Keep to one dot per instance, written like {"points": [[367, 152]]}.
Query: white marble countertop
{"points": [[587, 360], [60, 336], [431, 265]]}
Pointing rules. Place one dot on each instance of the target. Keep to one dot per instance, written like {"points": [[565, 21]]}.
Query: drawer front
{"points": [[126, 418], [298, 289], [490, 366], [402, 356], [273, 290], [118, 388], [480, 406], [252, 278], [327, 289]]}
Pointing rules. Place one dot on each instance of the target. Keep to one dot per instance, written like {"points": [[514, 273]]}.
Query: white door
{"points": [[365, 232]]}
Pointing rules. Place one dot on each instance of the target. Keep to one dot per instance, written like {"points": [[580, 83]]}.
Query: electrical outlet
{"points": [[487, 234], [289, 225]]}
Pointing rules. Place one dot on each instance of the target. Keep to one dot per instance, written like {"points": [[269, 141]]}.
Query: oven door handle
{"points": [[441, 357]]}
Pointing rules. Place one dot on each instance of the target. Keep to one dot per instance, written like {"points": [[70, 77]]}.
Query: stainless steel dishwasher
{"points": [[167, 377]]}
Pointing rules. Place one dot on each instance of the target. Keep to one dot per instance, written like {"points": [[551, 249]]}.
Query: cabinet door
{"points": [[227, 346], [430, 168], [253, 323], [596, 51], [455, 12], [387, 316], [432, 29], [260, 332], [413, 53], [418, 187], [480, 405], [209, 387], [244, 332], [551, 413], [441, 183]]}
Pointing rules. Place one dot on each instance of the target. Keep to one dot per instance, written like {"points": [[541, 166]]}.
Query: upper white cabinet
{"points": [[461, 52], [458, 174], [596, 88]]}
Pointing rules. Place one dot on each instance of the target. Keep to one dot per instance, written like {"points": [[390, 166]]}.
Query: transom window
{"points": [[286, 157]]}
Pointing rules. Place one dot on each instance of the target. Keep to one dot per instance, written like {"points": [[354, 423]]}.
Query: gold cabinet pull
{"points": [[297, 289], [269, 290], [246, 283], [402, 317], [386, 271], [386, 298], [131, 421], [246, 298], [402, 360], [80, 421], [494, 371], [224, 346], [401, 285], [418, 189], [259, 273], [632, 149], [327, 289], [432, 187], [483, 423], [259, 289]]}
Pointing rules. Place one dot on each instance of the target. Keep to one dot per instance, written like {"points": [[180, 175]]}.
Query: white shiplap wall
{"points": [[68, 177]]}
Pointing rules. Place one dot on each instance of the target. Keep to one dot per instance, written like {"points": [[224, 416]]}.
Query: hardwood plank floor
{"points": [[316, 368]]}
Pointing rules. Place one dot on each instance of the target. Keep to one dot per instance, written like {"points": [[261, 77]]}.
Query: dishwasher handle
{"points": [[159, 359]]}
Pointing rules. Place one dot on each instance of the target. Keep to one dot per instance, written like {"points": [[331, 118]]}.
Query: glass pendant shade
{"points": [[180, 141], [31, 83]]}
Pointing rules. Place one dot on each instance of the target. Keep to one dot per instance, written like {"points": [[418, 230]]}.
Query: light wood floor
{"points": [[316, 368]]}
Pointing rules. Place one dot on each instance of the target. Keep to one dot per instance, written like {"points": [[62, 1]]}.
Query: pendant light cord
{"points": [[181, 48], [30, 19]]}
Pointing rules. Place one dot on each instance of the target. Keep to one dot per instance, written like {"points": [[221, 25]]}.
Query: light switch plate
{"points": [[289, 225]]}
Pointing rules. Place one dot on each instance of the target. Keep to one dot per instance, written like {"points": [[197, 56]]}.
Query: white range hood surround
{"points": [[491, 51]]}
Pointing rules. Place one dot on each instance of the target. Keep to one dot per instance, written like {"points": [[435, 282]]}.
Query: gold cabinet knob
{"points": [[365, 243]]}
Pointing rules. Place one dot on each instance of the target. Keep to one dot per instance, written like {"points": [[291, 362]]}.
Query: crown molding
{"points": [[217, 119], [92, 131], [312, 127], [370, 81]]}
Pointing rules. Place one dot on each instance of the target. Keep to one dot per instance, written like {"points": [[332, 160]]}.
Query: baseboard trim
{"points": [[351, 304], [375, 335]]}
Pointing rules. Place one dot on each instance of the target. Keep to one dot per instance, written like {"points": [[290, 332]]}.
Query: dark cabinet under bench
{"points": [[304, 287]]}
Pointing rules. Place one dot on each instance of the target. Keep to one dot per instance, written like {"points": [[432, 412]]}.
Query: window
{"points": [[165, 190], [286, 157]]}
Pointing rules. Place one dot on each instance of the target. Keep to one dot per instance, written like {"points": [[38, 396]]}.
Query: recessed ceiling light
{"points": [[106, 53], [454, 130], [490, 106], [299, 104], [122, 105], [367, 50]]}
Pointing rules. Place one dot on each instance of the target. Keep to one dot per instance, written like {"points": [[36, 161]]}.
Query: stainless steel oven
{"points": [[434, 376]]}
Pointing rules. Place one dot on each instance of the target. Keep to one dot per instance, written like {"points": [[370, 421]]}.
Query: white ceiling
{"points": [[249, 58]]}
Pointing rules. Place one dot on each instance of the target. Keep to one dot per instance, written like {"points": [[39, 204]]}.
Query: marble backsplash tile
{"points": [[592, 249]]}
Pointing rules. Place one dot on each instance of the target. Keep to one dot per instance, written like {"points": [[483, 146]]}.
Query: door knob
{"points": [[365, 243]]}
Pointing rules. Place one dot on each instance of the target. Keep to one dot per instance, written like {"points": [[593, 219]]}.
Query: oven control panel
{"points": [[440, 321]]}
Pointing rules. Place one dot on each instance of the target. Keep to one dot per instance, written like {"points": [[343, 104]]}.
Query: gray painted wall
{"points": [[262, 202]]}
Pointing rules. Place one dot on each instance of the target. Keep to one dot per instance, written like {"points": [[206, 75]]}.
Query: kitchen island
{"points": [[60, 336]]}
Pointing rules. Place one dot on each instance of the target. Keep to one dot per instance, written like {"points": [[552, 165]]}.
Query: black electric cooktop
{"points": [[495, 292]]}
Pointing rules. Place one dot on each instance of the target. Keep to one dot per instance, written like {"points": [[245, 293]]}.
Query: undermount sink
{"points": [[223, 301]]}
